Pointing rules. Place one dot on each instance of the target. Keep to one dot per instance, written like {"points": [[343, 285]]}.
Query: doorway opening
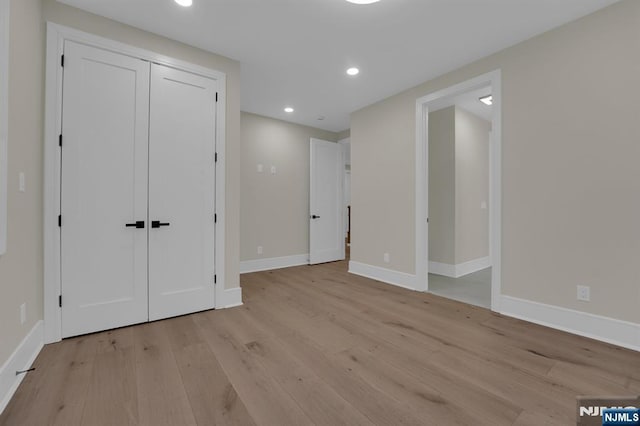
{"points": [[458, 200]]}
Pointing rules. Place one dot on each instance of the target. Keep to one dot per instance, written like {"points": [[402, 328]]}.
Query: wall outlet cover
{"points": [[584, 293]]}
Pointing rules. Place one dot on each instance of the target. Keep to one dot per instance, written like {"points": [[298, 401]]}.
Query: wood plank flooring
{"points": [[316, 345]]}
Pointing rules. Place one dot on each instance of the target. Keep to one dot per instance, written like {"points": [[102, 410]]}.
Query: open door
{"points": [[326, 239]]}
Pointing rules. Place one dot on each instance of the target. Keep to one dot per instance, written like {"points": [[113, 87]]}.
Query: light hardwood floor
{"points": [[473, 288], [316, 345]]}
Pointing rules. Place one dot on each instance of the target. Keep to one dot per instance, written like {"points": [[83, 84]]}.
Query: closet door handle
{"points": [[315, 217], [158, 224], [139, 224]]}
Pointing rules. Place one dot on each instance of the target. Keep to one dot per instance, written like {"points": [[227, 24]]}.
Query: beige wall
{"points": [[472, 187], [442, 186], [382, 184], [21, 266], [571, 181], [274, 208]]}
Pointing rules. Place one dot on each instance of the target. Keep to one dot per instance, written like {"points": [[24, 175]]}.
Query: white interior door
{"points": [[181, 192], [326, 241], [104, 190]]}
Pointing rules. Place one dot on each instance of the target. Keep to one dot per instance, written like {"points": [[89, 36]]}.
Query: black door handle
{"points": [[158, 224], [139, 224], [315, 217]]}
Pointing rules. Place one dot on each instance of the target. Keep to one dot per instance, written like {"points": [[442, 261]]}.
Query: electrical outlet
{"points": [[23, 313], [273, 170], [259, 249], [584, 293], [386, 258]]}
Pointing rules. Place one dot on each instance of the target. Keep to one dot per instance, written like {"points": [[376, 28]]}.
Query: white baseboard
{"points": [[232, 298], [610, 330], [461, 269], [400, 279], [472, 266], [21, 359], [257, 265], [445, 269]]}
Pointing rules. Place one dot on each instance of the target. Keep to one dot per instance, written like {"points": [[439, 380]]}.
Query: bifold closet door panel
{"points": [[104, 190], [181, 192]]}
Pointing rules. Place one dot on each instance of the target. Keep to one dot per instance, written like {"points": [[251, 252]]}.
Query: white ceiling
{"points": [[295, 52], [469, 101]]}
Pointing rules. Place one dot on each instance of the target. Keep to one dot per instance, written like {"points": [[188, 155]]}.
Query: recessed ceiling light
{"points": [[184, 3], [487, 100], [288, 109], [362, 1], [353, 71]]}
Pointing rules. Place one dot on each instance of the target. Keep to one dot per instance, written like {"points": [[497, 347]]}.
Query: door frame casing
{"points": [[493, 79], [345, 172], [56, 36]]}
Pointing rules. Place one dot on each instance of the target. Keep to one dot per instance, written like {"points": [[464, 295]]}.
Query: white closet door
{"points": [[104, 188], [181, 192]]}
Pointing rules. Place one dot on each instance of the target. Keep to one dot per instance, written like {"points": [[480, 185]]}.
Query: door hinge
{"points": [[62, 61], [427, 220], [59, 220], [216, 96], [215, 218], [215, 279], [215, 157], [60, 140], [60, 301]]}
